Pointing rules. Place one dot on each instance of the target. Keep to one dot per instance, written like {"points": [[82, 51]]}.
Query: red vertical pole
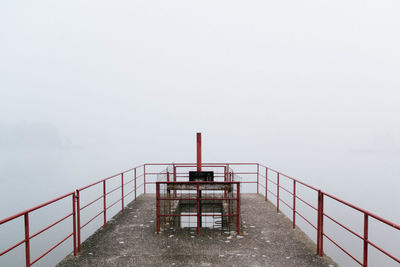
{"points": [[228, 173], [74, 222], [175, 180], [225, 179], [27, 243], [158, 207], [320, 227], [225, 175], [198, 152], [144, 179], [135, 182], [104, 204], [318, 220], [294, 204], [238, 208], [78, 220], [122, 192], [258, 177], [277, 193], [365, 250], [198, 208], [266, 184], [321, 253]]}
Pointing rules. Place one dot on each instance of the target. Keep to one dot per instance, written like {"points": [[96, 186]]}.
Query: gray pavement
{"points": [[267, 240]]}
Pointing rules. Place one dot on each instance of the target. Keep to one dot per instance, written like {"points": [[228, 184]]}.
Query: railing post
{"points": [[266, 184], [225, 175], [320, 224], [104, 204], [78, 219], [27, 243], [144, 179], [158, 207], [167, 176], [238, 209], [122, 192], [74, 222], [365, 250], [258, 177], [135, 182], [294, 204], [226, 179], [175, 180], [277, 193], [198, 208]]}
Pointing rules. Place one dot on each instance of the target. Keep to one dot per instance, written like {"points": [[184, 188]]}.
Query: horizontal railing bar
{"points": [[305, 202], [48, 251], [304, 218], [130, 181], [272, 193], [35, 208], [109, 177], [381, 250], [41, 231], [197, 182], [285, 204], [345, 251], [98, 182], [364, 211], [130, 192], [187, 176], [171, 198], [115, 189], [285, 189], [97, 215], [11, 248], [100, 197], [272, 182], [204, 164], [348, 229], [113, 204], [291, 178], [195, 215]]}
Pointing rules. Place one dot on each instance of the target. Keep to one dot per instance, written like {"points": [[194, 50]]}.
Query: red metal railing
{"points": [[29, 236], [321, 215], [106, 193], [269, 182]]}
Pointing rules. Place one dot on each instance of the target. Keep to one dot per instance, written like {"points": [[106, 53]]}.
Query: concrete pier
{"points": [[267, 240]]}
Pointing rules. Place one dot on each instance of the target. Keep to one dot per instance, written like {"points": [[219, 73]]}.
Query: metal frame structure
{"points": [[171, 207], [262, 176]]}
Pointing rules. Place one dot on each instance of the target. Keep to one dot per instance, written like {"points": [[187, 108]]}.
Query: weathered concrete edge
{"points": [[301, 236], [94, 237]]}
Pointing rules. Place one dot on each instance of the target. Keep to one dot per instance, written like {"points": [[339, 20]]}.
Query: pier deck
{"points": [[130, 240]]}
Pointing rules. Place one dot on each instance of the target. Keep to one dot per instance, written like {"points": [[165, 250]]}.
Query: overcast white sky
{"points": [[88, 88]]}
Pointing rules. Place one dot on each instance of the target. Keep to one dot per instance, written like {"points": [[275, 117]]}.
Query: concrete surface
{"points": [[267, 240]]}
